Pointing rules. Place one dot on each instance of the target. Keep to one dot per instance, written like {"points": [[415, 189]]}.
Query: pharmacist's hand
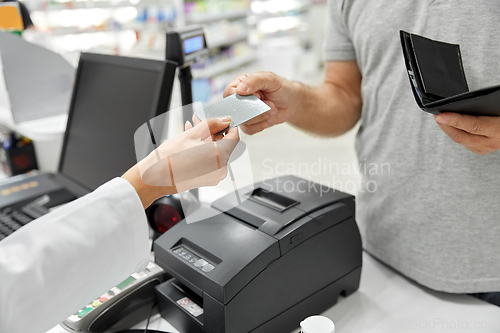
{"points": [[273, 90], [479, 134], [198, 157]]}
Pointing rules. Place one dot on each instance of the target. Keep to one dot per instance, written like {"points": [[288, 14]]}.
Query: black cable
{"points": [[149, 317]]}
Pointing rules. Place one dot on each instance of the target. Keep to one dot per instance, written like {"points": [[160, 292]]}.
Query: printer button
{"points": [[193, 260], [296, 238], [200, 263], [207, 268]]}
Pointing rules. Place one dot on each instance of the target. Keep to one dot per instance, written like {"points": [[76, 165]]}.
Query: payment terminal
{"points": [[121, 307]]}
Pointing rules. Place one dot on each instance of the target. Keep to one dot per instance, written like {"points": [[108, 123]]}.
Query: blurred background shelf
{"points": [[222, 42], [224, 66], [242, 35], [58, 7], [202, 18]]}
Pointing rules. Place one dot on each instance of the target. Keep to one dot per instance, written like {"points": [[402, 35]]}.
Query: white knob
{"points": [[317, 324]]}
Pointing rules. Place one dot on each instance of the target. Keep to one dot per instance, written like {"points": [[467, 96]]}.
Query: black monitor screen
{"points": [[110, 101]]}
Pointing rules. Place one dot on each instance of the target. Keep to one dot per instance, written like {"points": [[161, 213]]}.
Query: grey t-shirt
{"points": [[431, 208]]}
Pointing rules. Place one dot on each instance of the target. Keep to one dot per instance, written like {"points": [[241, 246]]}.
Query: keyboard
{"points": [[12, 219]]}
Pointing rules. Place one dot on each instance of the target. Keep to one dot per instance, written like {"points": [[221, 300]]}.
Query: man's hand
{"points": [[330, 109], [273, 90], [479, 134]]}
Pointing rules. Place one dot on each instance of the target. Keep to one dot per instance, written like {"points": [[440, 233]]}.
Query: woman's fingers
{"points": [[232, 134], [196, 120], [209, 127]]}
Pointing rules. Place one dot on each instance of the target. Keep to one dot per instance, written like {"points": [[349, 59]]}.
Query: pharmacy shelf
{"points": [[201, 18], [263, 16], [75, 31], [85, 6], [224, 66], [228, 41]]}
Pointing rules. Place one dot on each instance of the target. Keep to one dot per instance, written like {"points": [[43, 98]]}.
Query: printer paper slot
{"points": [[272, 200], [195, 298]]}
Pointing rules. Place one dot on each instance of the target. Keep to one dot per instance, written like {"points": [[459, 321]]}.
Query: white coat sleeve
{"points": [[52, 267]]}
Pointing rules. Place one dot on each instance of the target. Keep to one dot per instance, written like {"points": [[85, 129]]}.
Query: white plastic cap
{"points": [[317, 324]]}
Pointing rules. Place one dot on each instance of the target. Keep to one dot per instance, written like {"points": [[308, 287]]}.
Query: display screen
{"points": [[111, 102], [193, 44]]}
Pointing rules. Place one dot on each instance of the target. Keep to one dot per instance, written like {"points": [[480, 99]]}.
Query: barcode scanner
{"points": [[164, 213]]}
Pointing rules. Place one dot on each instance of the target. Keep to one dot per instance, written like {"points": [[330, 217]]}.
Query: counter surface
{"points": [[387, 302]]}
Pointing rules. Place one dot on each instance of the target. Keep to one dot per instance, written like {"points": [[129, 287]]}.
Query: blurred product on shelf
{"points": [[225, 32], [223, 61], [17, 153], [279, 22], [213, 73], [214, 7], [113, 27], [133, 26], [289, 36], [279, 7], [10, 18]]}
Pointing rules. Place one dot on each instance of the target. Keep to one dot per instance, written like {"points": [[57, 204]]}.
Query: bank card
{"points": [[240, 108]]}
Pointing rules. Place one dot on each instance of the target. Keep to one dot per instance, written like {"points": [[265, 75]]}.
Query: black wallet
{"points": [[438, 81]]}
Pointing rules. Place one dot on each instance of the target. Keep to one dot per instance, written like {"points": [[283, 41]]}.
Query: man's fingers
{"points": [[264, 81], [187, 126], [231, 87], [258, 95], [274, 110], [260, 118], [266, 116], [472, 142], [471, 124], [229, 91], [255, 128]]}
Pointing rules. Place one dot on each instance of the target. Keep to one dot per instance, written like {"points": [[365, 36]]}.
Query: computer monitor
{"points": [[112, 97]]}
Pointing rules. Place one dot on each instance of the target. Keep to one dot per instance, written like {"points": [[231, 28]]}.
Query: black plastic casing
{"points": [[272, 268]]}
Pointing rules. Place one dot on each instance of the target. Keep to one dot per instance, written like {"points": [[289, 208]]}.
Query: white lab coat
{"points": [[55, 265]]}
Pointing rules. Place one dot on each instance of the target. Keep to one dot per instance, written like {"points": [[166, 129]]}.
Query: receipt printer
{"points": [[263, 265]]}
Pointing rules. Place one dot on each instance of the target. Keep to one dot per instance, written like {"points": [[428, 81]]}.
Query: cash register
{"points": [[282, 255]]}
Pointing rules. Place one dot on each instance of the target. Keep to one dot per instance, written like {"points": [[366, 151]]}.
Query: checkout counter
{"points": [[385, 302]]}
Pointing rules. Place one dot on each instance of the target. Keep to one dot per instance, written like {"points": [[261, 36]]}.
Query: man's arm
{"points": [[331, 109], [334, 107]]}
